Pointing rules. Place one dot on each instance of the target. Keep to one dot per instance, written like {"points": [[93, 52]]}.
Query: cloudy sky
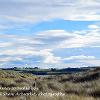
{"points": [[49, 33]]}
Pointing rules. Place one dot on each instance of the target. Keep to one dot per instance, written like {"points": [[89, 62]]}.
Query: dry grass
{"points": [[78, 86]]}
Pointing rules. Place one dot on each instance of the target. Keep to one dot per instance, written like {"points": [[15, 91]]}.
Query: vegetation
{"points": [[76, 86]]}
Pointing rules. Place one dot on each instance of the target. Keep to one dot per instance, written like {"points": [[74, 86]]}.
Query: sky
{"points": [[49, 33]]}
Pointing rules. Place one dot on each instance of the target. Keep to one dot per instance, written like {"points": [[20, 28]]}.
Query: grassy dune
{"points": [[76, 86]]}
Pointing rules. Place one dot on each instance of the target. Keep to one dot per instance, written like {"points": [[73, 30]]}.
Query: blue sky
{"points": [[54, 33]]}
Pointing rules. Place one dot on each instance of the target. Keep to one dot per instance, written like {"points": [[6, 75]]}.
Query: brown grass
{"points": [[77, 86]]}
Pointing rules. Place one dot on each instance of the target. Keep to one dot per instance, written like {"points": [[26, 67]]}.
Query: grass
{"points": [[76, 86]]}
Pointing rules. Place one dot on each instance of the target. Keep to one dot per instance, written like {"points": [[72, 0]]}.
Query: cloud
{"points": [[76, 39], [83, 60], [30, 11], [22, 48], [5, 44], [40, 47], [10, 59], [50, 58], [50, 39], [16, 13], [92, 62], [80, 57], [3, 27], [93, 27], [91, 38]]}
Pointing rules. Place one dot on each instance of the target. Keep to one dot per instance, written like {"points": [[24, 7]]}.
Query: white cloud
{"points": [[93, 27], [91, 38], [42, 45], [10, 59], [92, 62], [79, 57], [5, 44], [76, 39], [55, 34], [49, 57], [83, 60], [22, 11], [20, 47]]}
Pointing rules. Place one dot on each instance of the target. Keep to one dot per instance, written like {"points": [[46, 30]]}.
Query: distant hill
{"points": [[52, 71]]}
